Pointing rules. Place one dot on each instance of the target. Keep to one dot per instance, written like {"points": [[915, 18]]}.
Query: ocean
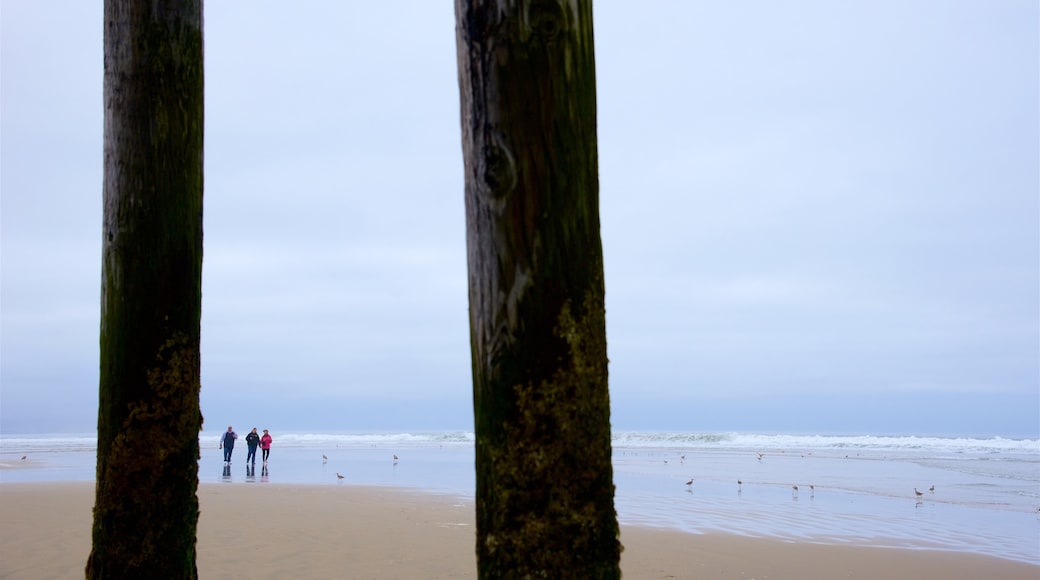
{"points": [[976, 495]]}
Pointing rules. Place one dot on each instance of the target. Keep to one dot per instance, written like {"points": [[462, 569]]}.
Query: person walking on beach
{"points": [[265, 446], [227, 443], [252, 440]]}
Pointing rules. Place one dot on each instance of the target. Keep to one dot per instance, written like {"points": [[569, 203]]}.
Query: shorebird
{"points": [[812, 490], [794, 490], [760, 456], [23, 457], [739, 483], [338, 476], [932, 489], [689, 483], [918, 493], [324, 458]]}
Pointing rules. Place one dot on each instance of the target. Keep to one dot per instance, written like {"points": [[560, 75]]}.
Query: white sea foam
{"points": [[58, 443], [362, 440], [763, 442], [620, 439]]}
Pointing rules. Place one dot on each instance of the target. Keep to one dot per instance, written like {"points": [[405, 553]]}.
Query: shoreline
{"points": [[289, 530]]}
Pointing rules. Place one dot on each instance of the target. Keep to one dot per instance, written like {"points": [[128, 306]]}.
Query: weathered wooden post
{"points": [[545, 494], [146, 508]]}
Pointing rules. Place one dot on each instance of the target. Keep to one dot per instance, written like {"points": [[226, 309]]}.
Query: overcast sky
{"points": [[817, 217]]}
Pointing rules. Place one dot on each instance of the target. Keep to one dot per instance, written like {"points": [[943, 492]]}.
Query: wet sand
{"points": [[309, 531]]}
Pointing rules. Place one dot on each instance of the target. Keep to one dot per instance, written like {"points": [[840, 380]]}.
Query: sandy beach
{"points": [[302, 531]]}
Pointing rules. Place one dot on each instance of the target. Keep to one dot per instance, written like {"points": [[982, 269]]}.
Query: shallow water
{"points": [[860, 499], [986, 498]]}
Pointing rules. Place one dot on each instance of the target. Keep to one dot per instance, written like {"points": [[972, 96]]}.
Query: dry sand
{"points": [[340, 531]]}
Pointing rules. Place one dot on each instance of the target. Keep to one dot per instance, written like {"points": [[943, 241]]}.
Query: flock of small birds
{"points": [[689, 484], [740, 482], [340, 476], [794, 488], [918, 494]]}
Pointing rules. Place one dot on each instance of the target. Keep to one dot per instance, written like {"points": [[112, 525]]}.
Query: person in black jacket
{"points": [[252, 440]]}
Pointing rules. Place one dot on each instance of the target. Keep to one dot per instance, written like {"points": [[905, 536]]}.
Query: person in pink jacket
{"points": [[265, 445]]}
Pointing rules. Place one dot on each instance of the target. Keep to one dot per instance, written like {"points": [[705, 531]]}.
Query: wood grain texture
{"points": [[146, 508], [535, 261]]}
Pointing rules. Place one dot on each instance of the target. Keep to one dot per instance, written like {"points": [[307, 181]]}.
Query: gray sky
{"points": [[817, 217]]}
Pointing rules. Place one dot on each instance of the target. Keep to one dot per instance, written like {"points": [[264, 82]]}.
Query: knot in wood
{"points": [[498, 177], [545, 18]]}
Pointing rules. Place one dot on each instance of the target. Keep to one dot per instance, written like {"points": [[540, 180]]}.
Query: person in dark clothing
{"points": [[227, 443], [252, 440]]}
